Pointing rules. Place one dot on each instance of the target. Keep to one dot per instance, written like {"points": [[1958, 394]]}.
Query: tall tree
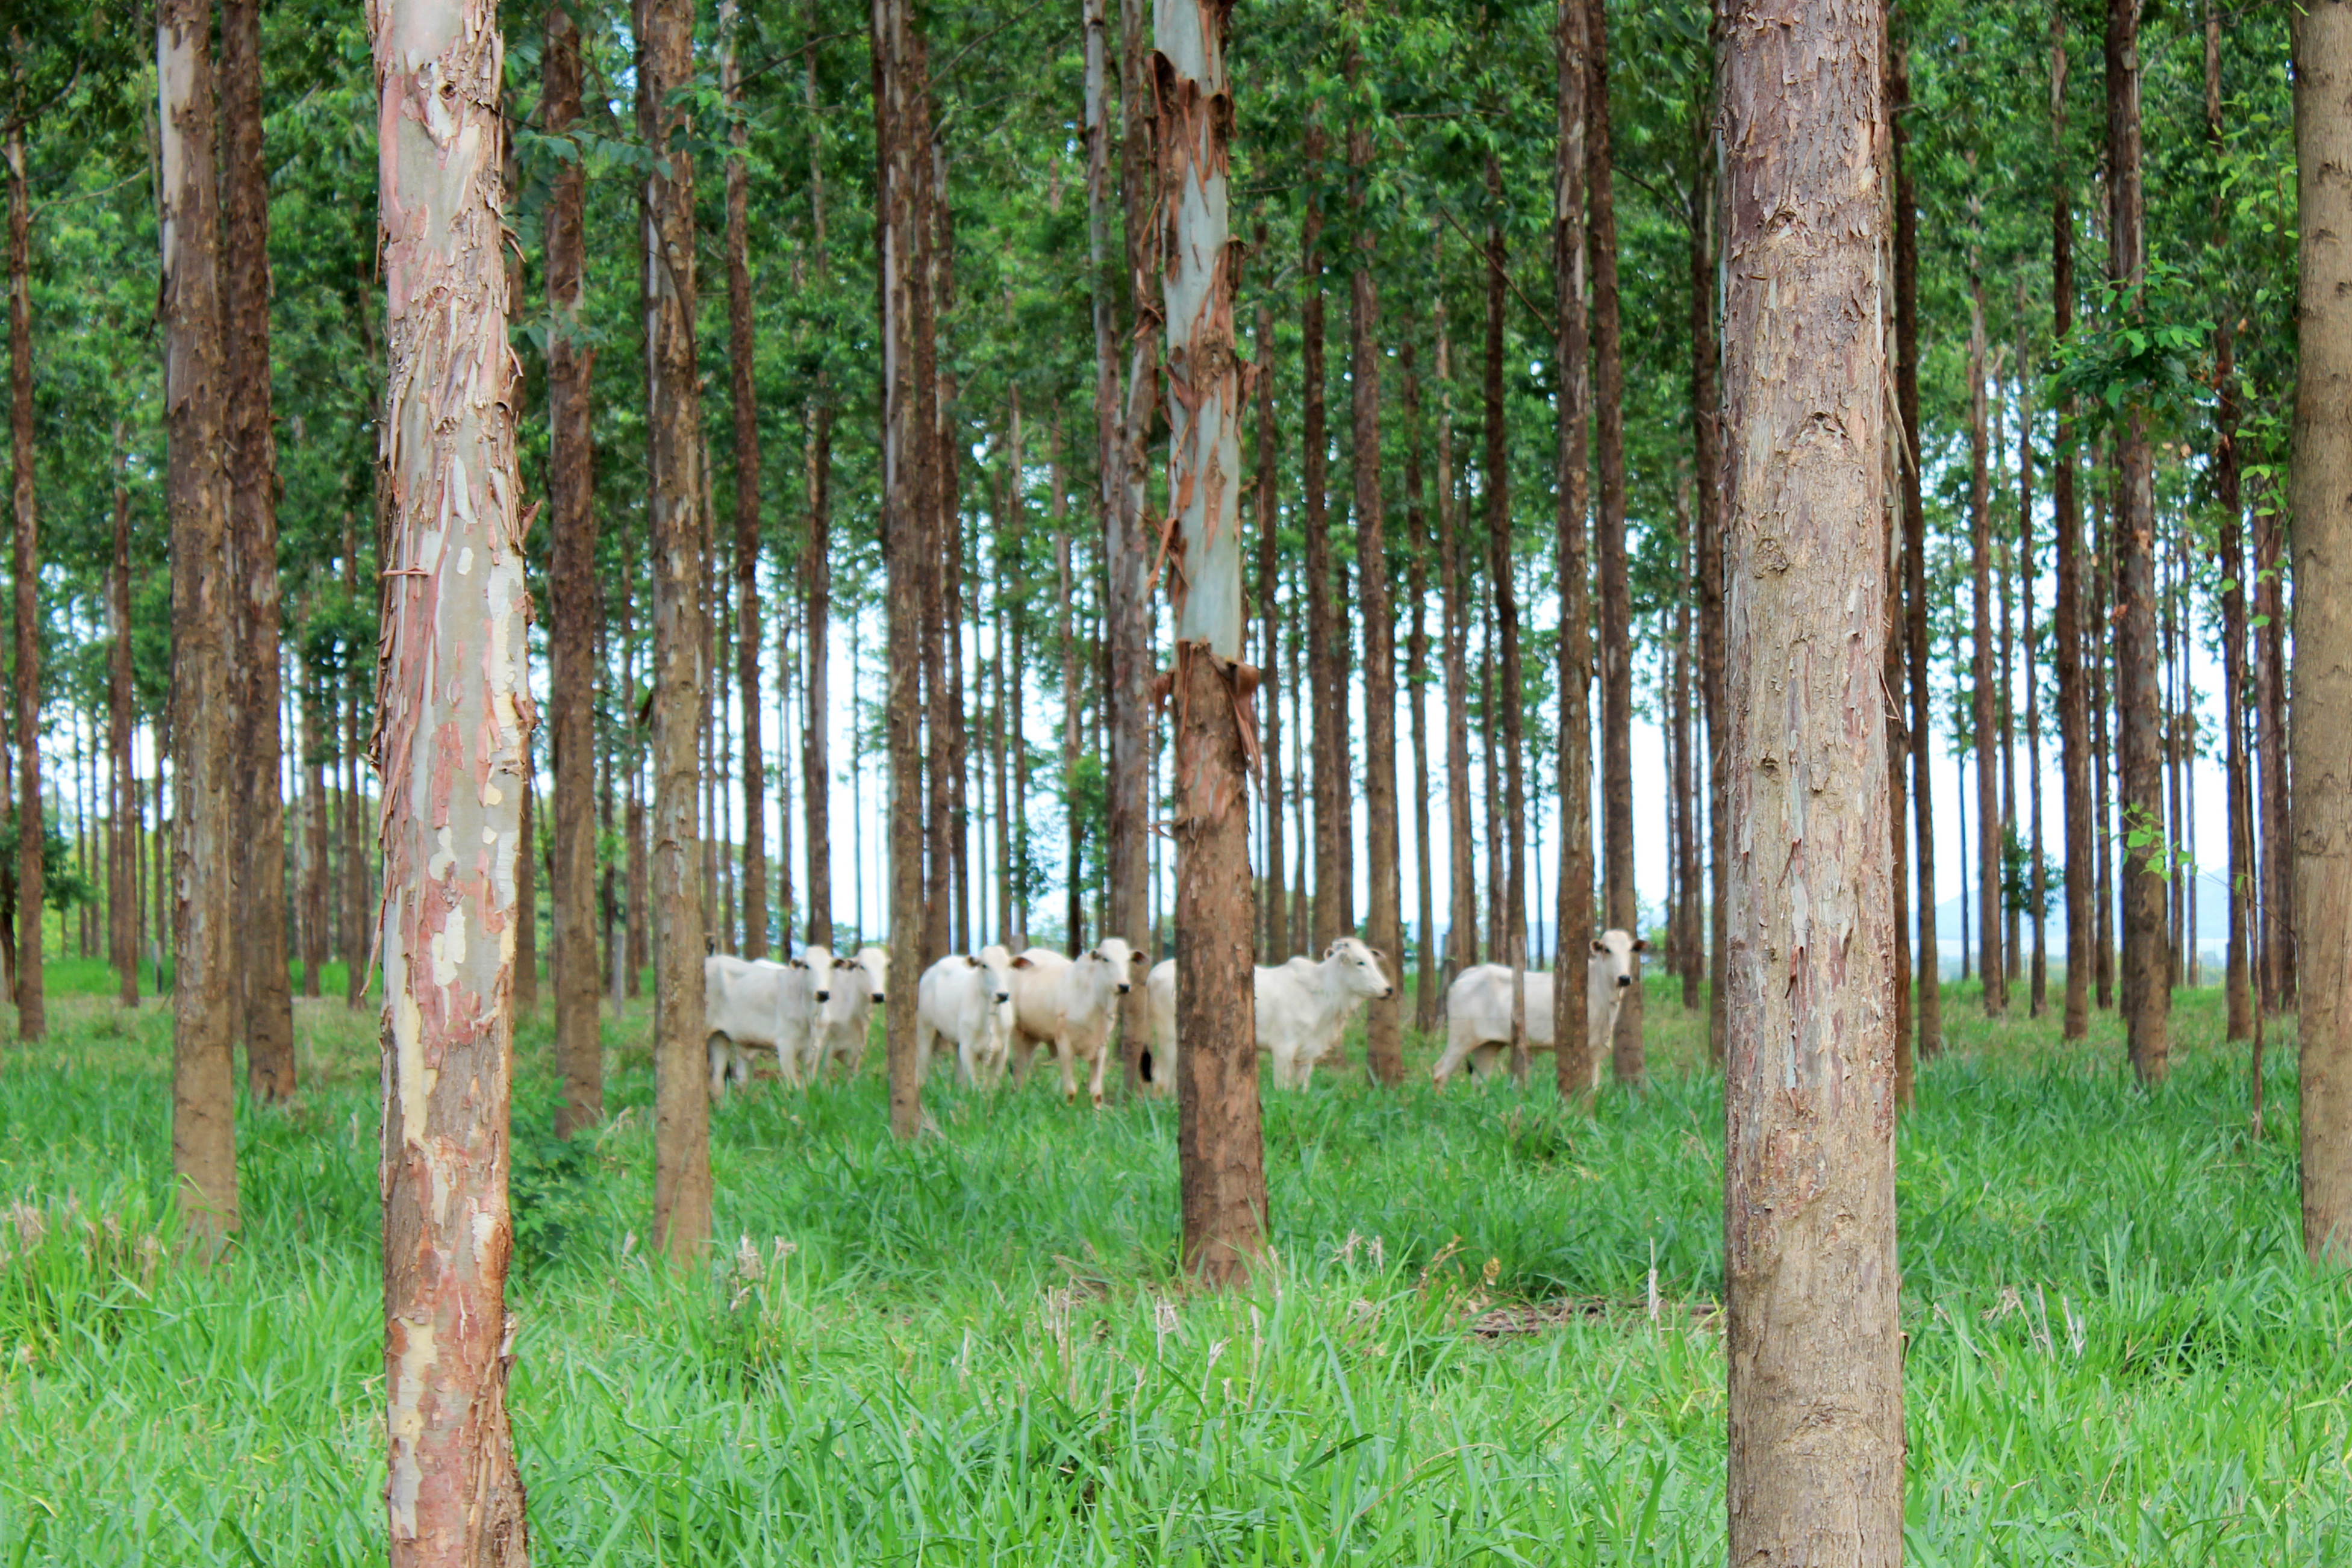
{"points": [[903, 435], [203, 1106], [2323, 696], [1513, 937], [816, 551], [1127, 545], [127, 810], [1269, 566], [1461, 920], [2228, 505], [1572, 1065], [24, 572], [1984, 714], [1706, 451], [2067, 626], [2148, 999], [744, 396], [1221, 1152], [1814, 1347], [1928, 1017], [1383, 1036], [1326, 673], [1618, 892], [452, 674], [266, 1003], [665, 30], [573, 591]]}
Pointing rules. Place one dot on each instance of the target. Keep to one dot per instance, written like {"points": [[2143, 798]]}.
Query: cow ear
{"points": [[1139, 958], [1383, 958], [970, 961], [1641, 944], [1599, 946], [1023, 962]]}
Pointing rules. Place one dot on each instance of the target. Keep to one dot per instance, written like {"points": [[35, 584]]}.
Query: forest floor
{"points": [[974, 1350]]}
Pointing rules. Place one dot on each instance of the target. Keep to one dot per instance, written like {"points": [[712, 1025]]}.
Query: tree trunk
{"points": [[25, 570], [682, 1098], [573, 591], [1814, 1343], [1324, 675], [1513, 931], [1576, 25], [1901, 457], [1269, 515], [1220, 1150], [2066, 627], [128, 816], [1384, 1024], [904, 535], [2140, 785], [2322, 480], [2228, 505], [1426, 986], [1125, 464], [2275, 930], [816, 559], [315, 748], [1690, 946], [1929, 1015], [1461, 920], [1984, 715], [265, 1002], [1073, 880], [453, 693], [745, 398], [204, 1108], [2038, 980], [1620, 892], [1707, 447]]}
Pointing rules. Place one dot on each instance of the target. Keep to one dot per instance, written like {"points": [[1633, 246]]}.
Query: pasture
{"points": [[974, 1350]]}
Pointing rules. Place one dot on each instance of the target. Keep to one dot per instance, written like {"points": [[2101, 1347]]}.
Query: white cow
{"points": [[1303, 1008], [748, 1002], [859, 986], [1478, 1008], [1070, 1005], [967, 998]]}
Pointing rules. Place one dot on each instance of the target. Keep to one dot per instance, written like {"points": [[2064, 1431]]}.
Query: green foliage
{"points": [[63, 883], [2017, 866]]}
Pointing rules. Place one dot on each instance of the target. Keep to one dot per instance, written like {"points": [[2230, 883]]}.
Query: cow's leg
{"points": [[1460, 1042], [717, 1050], [1067, 1063], [1095, 1080]]}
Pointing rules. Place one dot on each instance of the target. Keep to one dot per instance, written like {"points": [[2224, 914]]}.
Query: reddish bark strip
{"points": [[1929, 1015], [1325, 670], [575, 601], [674, 427], [2322, 546], [204, 1109], [453, 718], [25, 571], [746, 409], [2066, 625], [1461, 920], [1707, 449], [1814, 1343], [266, 1003], [1573, 1068]]}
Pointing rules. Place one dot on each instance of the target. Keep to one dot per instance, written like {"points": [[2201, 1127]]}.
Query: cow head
{"points": [[1358, 968], [998, 963], [875, 963], [1120, 962], [816, 959], [1612, 958]]}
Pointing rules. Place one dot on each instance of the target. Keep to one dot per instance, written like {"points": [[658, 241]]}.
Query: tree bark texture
{"points": [[2322, 500], [1620, 895], [816, 562], [1461, 920], [266, 1000], [1383, 927], [1425, 984], [127, 814], [1220, 1150], [1984, 716], [2148, 997], [1707, 447], [204, 1108], [1512, 935], [575, 606], [1269, 572], [24, 574], [1325, 671], [455, 716], [1573, 1068], [1814, 1343], [674, 421], [903, 539]]}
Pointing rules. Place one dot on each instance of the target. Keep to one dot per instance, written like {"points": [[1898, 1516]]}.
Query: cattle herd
{"points": [[996, 1010]]}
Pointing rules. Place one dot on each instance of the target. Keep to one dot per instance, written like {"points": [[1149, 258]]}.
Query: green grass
{"points": [[976, 1350]]}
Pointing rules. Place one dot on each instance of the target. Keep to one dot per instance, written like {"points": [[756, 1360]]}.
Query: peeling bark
{"points": [[451, 742], [1814, 1344]]}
